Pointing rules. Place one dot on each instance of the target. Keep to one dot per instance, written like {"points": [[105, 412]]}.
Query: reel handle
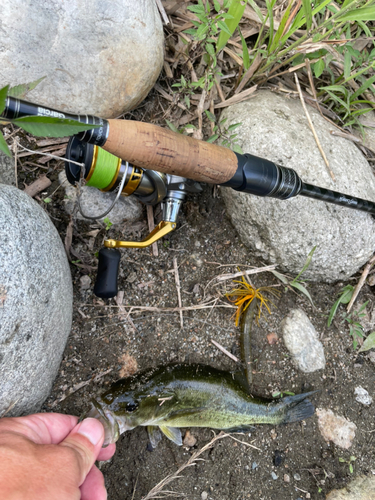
{"points": [[106, 280]]}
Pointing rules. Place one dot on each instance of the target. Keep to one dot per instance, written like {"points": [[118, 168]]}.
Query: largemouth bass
{"points": [[181, 395]]}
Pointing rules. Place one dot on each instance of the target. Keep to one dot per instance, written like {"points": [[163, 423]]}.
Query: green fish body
{"points": [[181, 395]]}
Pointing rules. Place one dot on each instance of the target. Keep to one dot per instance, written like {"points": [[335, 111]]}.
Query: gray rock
{"points": [[284, 232], [301, 340], [7, 172], [35, 302], [361, 488], [362, 396], [98, 56], [95, 202]]}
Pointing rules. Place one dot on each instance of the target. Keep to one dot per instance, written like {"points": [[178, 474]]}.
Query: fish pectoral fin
{"points": [[154, 435], [172, 433]]}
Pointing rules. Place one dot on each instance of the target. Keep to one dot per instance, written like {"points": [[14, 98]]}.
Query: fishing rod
{"points": [[156, 164]]}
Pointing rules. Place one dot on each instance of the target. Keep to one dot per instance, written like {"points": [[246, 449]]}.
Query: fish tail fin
{"points": [[297, 407]]}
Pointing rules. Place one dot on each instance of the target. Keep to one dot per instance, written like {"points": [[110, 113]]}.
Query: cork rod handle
{"points": [[152, 147]]}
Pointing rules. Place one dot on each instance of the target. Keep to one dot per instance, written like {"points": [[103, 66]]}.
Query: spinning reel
{"points": [[109, 173]]}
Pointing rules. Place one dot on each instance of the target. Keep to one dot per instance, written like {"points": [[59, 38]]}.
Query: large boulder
{"points": [[284, 232], [35, 303], [99, 57], [7, 171]]}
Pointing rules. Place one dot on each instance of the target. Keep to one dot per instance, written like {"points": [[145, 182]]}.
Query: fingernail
{"points": [[92, 429]]}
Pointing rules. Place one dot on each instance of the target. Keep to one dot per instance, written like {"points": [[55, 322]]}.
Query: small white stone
{"points": [[337, 429], [362, 396], [204, 495]]}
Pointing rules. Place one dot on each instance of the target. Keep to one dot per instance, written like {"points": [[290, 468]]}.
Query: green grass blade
{"points": [[306, 5], [362, 14], [281, 27], [306, 265], [46, 126], [245, 52], [236, 9], [281, 277], [363, 87], [302, 289], [257, 10], [4, 146], [3, 97]]}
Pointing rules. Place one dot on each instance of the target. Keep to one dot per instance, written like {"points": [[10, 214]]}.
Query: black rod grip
{"points": [[106, 280]]}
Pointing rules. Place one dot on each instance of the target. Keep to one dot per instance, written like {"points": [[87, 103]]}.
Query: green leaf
{"points": [[224, 28], [212, 138], [369, 343], [47, 126], [47, 200], [4, 146], [21, 90], [233, 127], [318, 67], [172, 126], [210, 49], [197, 9], [217, 6], [3, 98], [210, 116], [302, 289], [237, 149]]}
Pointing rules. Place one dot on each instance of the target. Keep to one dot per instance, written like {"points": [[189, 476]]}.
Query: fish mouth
{"points": [[105, 416]]}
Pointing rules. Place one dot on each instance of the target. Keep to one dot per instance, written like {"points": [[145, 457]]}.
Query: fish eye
{"points": [[130, 407]]}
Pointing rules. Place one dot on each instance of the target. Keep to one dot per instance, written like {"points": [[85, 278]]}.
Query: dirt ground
{"points": [[286, 462]]}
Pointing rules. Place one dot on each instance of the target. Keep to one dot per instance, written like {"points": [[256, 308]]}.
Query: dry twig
{"points": [[158, 489], [312, 127], [178, 287], [222, 349], [151, 227], [361, 282], [224, 277]]}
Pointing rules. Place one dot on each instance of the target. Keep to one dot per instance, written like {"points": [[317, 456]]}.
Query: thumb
{"points": [[86, 440]]}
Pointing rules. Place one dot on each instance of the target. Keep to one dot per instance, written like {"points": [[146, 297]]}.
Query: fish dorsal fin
{"points": [[172, 433], [154, 435]]}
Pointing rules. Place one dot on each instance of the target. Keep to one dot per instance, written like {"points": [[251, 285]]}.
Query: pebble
{"points": [[297, 477], [286, 478], [337, 429], [85, 282], [189, 439], [362, 396], [204, 495], [302, 341], [278, 458], [254, 465], [274, 476]]}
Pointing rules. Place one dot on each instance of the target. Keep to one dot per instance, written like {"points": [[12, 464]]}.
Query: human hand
{"points": [[48, 456]]}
